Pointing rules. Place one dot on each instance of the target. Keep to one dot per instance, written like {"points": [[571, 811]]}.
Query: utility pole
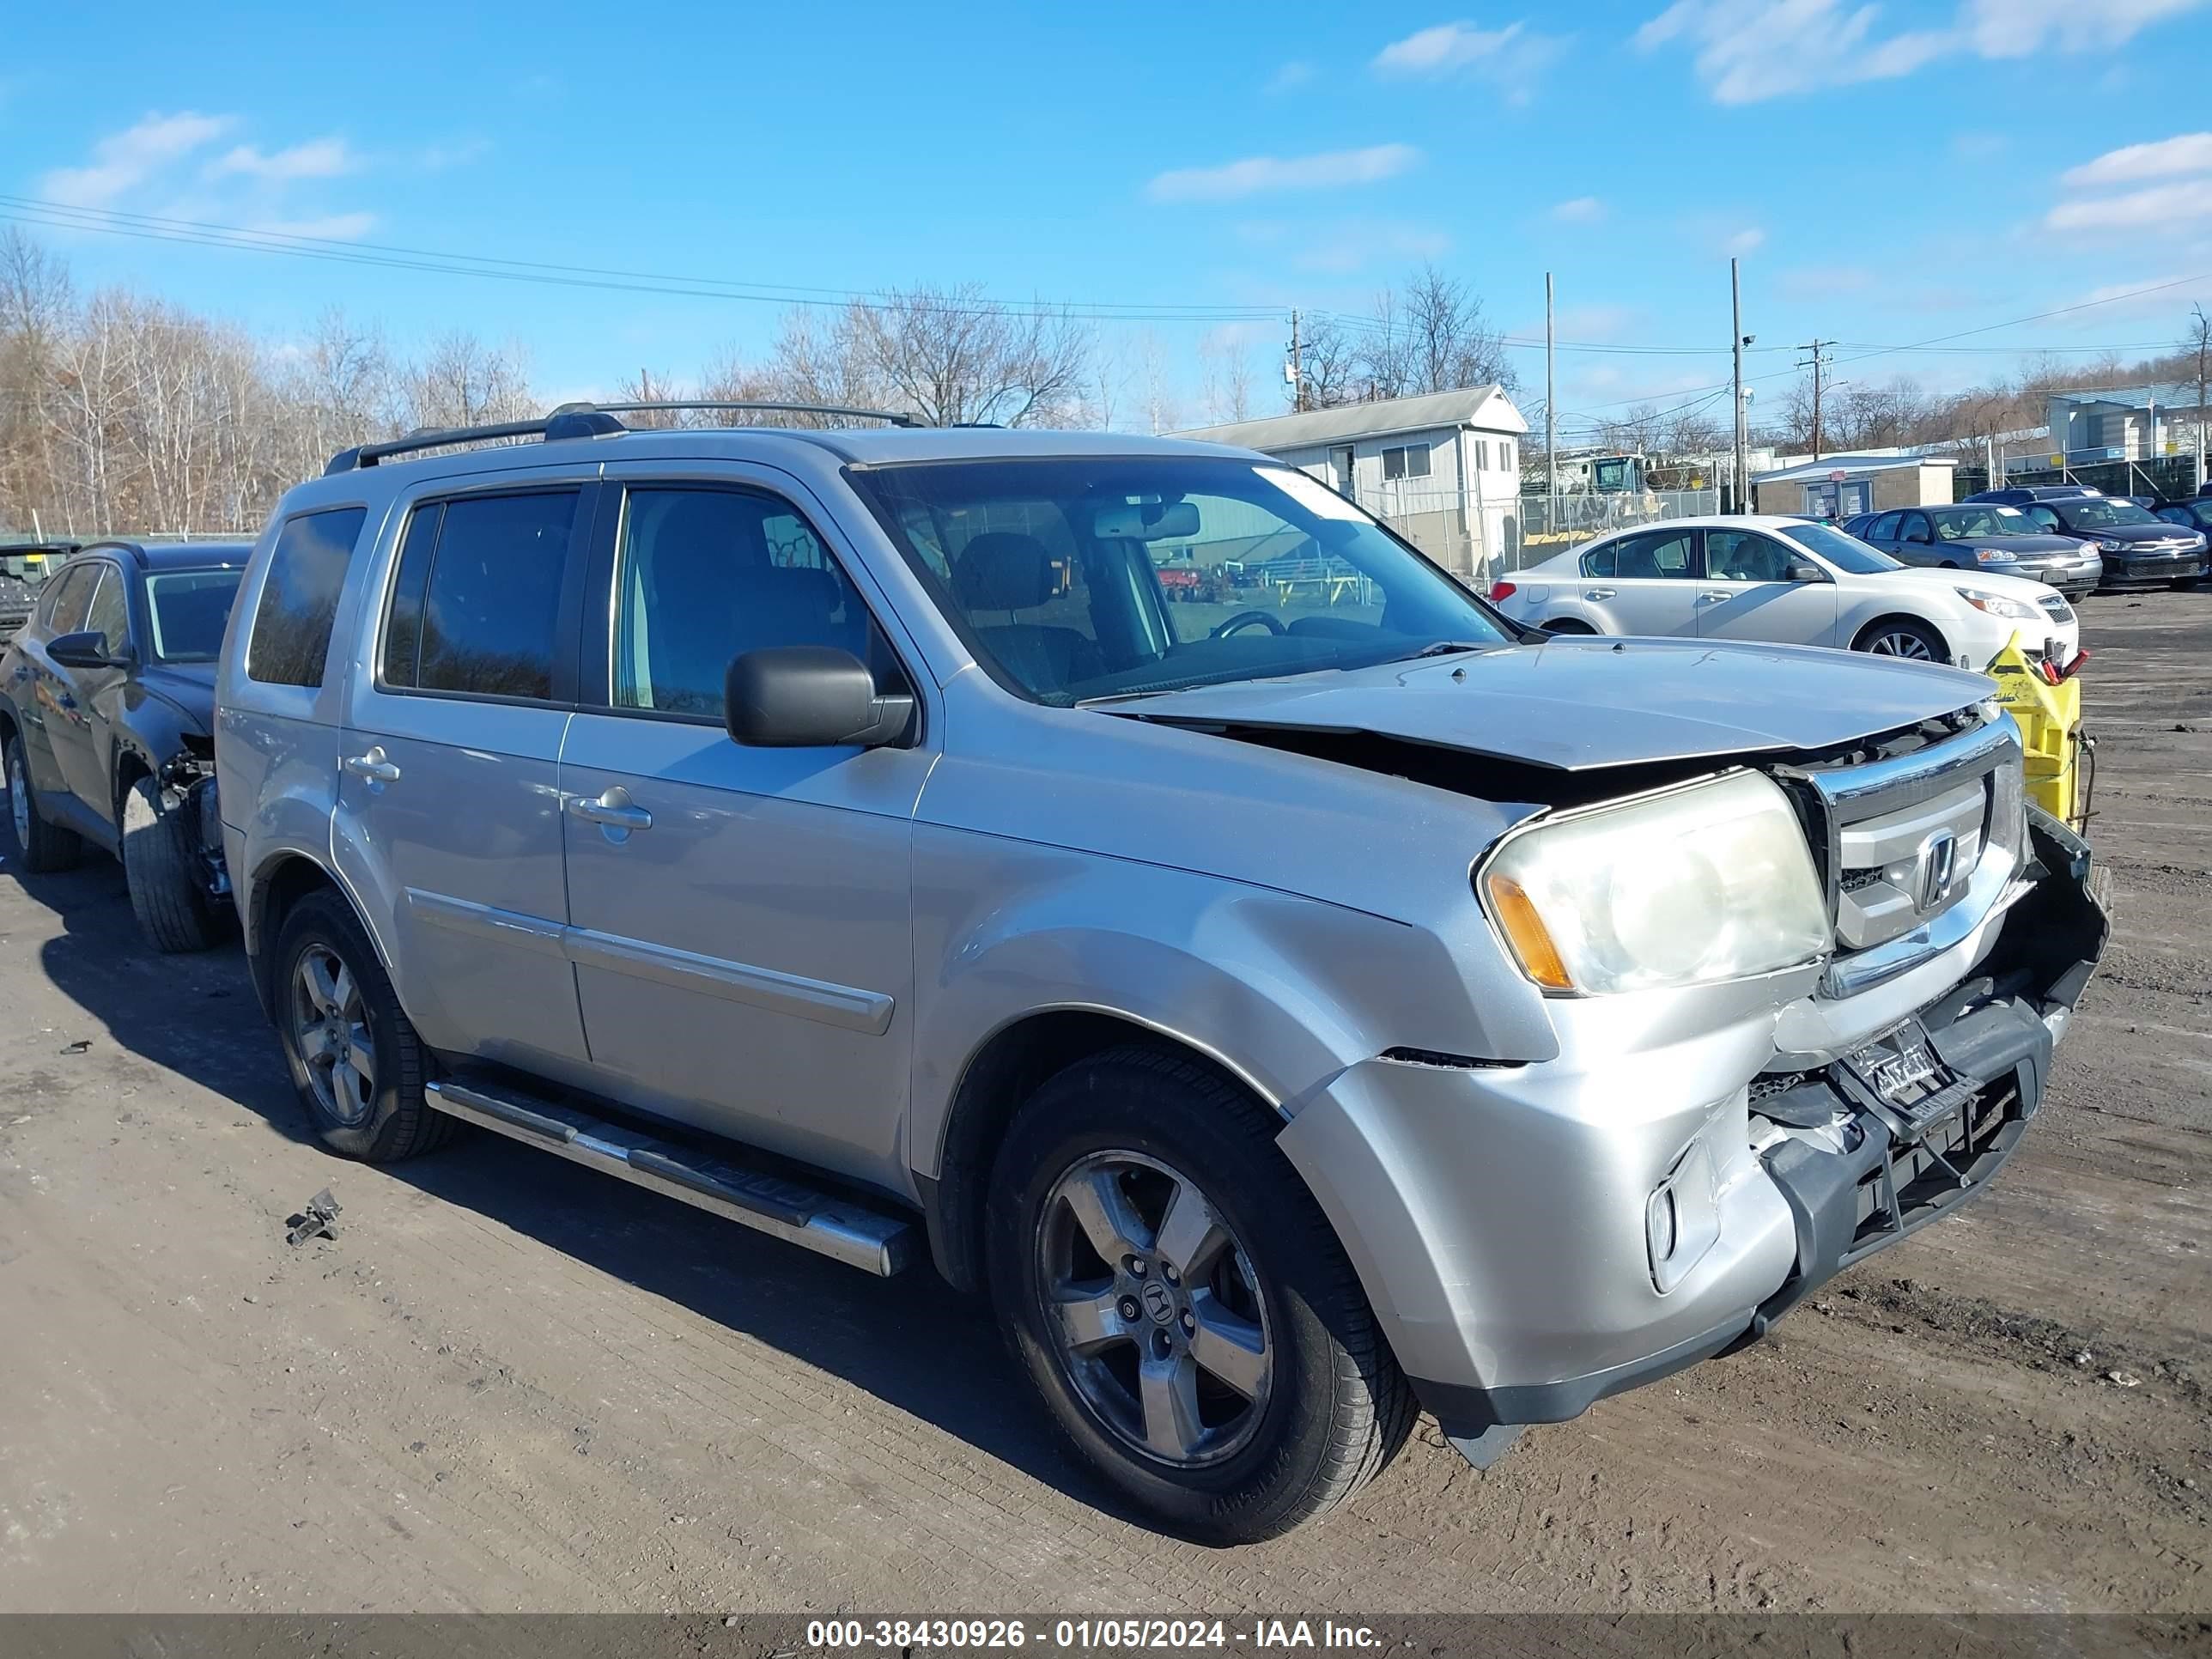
{"points": [[2203, 342], [1816, 362], [1551, 424], [1735, 342], [1297, 370]]}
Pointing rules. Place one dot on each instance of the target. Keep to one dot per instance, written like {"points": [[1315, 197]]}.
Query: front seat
{"points": [[1004, 570]]}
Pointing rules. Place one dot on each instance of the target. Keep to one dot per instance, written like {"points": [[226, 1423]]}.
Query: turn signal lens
{"points": [[1524, 931]]}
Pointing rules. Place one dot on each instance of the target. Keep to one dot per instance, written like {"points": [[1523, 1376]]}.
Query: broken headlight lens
{"points": [[1712, 882]]}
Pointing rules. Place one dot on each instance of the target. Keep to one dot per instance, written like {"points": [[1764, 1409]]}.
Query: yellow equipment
{"points": [[2046, 700]]}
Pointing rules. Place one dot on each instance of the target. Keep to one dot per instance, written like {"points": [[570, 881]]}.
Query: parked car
{"points": [[106, 719], [1985, 535], [1287, 1021], [2194, 512], [2136, 548], [1787, 581], [2022, 495], [24, 570]]}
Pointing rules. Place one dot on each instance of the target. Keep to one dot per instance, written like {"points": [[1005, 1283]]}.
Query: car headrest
{"points": [[1003, 570]]}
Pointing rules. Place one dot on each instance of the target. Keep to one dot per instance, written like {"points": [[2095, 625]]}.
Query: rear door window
{"points": [[1656, 555], [1884, 528], [476, 607], [1600, 562], [291, 634]]}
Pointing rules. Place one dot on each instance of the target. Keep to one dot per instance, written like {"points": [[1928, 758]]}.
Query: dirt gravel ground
{"points": [[509, 1384]]}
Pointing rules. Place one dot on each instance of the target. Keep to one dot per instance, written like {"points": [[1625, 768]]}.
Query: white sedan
{"points": [[1789, 581]]}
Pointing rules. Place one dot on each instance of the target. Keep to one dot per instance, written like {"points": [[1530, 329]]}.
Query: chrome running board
{"points": [[837, 1227]]}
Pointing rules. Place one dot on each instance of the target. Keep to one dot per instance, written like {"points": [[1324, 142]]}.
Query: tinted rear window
{"points": [[475, 608], [291, 634]]}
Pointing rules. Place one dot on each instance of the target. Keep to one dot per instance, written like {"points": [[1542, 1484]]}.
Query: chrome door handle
{"points": [[1599, 593], [614, 809], [372, 766], [1713, 599]]}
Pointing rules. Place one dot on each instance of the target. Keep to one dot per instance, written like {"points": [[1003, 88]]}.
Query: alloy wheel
{"points": [[331, 1023], [1898, 643], [1156, 1316]]}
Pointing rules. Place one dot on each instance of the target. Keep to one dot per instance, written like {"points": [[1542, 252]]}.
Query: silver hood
{"points": [[1576, 705]]}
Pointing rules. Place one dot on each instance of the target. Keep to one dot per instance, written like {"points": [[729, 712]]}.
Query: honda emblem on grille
{"points": [[1931, 870]]}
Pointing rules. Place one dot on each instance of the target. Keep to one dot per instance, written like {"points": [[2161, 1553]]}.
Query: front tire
{"points": [[41, 848], [355, 1058], [161, 867], [1898, 636], [1181, 1303]]}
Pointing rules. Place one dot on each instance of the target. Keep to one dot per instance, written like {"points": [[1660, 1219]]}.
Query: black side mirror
{"points": [[1805, 572], [809, 696], [85, 650]]}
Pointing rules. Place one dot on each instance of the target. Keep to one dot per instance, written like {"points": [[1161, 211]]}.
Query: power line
{"points": [[57, 216]]}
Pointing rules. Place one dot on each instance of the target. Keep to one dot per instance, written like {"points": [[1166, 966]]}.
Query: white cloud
{"points": [[2167, 206], [2017, 28], [1257, 175], [1511, 58], [319, 158], [1580, 210], [1749, 239], [2186, 153], [124, 160], [1289, 78], [1747, 51]]}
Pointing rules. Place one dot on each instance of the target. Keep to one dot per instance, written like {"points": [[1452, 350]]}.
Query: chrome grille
{"points": [[2056, 605], [1905, 835]]}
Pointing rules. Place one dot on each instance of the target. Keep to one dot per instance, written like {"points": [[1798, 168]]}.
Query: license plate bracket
{"points": [[1900, 1078]]}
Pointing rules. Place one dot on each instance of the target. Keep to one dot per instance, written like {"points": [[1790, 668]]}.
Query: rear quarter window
{"points": [[291, 634]]}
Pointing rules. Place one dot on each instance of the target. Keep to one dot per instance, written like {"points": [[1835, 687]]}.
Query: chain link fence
{"points": [[1479, 540]]}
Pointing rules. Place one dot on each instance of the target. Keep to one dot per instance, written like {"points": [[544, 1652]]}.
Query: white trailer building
{"points": [[1444, 470]]}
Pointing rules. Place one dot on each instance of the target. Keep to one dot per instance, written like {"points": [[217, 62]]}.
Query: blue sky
{"points": [[1889, 174]]}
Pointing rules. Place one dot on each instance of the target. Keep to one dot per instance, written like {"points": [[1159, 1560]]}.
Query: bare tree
{"points": [[1224, 378], [464, 382], [1329, 366], [1432, 338], [1156, 384], [954, 357]]}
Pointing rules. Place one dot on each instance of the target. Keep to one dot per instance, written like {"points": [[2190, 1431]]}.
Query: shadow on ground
{"points": [[912, 1341]]}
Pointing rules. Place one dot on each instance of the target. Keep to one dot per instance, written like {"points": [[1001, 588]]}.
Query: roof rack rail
{"points": [[582, 420], [753, 406]]}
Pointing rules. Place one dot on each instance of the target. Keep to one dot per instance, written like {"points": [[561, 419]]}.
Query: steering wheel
{"points": [[1245, 618]]}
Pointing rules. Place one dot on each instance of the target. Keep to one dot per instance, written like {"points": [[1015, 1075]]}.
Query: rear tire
{"points": [[161, 866], [1258, 1391], [42, 849], [354, 1054], [1900, 637]]}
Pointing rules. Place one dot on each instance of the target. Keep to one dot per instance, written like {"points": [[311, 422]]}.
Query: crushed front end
{"points": [[1696, 1159]]}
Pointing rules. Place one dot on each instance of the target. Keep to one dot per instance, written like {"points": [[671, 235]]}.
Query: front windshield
{"points": [[189, 609], [1074, 577], [1960, 523], [2096, 515], [1846, 553]]}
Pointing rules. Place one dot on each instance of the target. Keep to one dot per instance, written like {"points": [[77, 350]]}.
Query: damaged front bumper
{"points": [[1535, 1239]]}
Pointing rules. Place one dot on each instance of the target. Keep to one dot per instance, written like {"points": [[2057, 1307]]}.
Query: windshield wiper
{"points": [[1444, 648]]}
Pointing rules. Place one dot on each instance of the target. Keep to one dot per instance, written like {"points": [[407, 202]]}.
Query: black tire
{"points": [[162, 865], [1872, 638], [1332, 1409], [391, 1119], [39, 846]]}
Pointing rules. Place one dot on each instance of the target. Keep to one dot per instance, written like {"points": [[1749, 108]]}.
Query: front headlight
{"points": [[2109, 547], [1995, 555], [1710, 882], [1997, 606]]}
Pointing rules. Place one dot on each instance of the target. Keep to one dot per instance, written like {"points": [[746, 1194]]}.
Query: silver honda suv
{"points": [[1293, 993]]}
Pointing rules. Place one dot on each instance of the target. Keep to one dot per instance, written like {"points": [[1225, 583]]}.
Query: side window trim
{"points": [[575, 560], [595, 690], [108, 572]]}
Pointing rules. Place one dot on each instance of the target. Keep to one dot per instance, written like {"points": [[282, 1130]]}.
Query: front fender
{"points": [[1284, 993]]}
